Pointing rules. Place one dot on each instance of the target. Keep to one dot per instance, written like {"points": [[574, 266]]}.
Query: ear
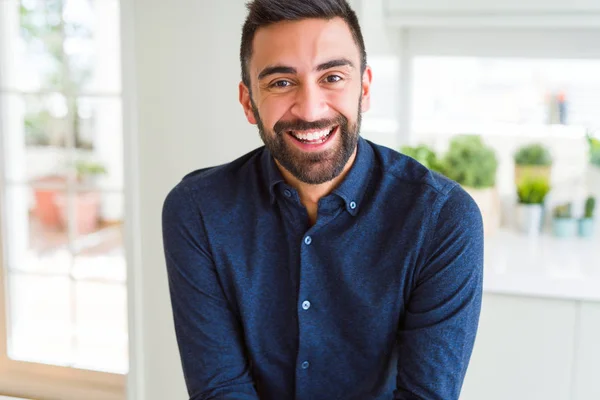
{"points": [[246, 103], [367, 78]]}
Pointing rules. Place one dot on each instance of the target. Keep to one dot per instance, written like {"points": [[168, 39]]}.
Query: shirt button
{"points": [[308, 240], [352, 205], [306, 305], [287, 193], [305, 365]]}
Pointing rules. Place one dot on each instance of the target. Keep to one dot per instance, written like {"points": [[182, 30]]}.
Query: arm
{"points": [[208, 333], [442, 315]]}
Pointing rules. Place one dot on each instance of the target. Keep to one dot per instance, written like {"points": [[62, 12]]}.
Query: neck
{"points": [[311, 194]]}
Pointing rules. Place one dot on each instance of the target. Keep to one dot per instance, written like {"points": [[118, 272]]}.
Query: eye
{"points": [[281, 84], [333, 78]]}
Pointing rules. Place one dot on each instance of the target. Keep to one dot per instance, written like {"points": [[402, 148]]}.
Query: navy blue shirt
{"points": [[380, 299]]}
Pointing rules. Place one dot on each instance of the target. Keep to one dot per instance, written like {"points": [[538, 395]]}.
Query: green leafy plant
{"points": [[470, 162], [89, 169], [594, 150], [562, 211], [590, 205], [533, 154], [533, 190], [425, 155]]}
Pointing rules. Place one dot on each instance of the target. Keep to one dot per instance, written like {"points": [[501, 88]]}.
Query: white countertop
{"points": [[543, 266]]}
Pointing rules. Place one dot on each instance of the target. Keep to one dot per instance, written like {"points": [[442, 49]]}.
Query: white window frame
{"points": [[43, 381]]}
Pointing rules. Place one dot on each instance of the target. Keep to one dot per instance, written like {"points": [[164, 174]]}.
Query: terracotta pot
{"points": [[534, 171], [46, 209], [87, 211]]}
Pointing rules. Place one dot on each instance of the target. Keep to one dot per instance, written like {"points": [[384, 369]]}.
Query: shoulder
{"points": [[219, 175], [405, 170], [408, 176], [218, 183]]}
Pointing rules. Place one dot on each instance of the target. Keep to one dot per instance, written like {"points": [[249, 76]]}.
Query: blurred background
{"points": [[106, 104]]}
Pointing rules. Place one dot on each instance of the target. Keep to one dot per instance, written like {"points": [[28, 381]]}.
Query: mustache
{"points": [[301, 125]]}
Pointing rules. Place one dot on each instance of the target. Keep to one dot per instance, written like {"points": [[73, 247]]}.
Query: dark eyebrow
{"points": [[276, 69], [282, 69], [340, 62]]}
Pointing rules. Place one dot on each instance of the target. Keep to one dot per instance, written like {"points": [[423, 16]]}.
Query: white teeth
{"points": [[312, 135]]}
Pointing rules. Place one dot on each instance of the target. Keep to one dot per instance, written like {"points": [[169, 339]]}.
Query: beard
{"points": [[311, 167]]}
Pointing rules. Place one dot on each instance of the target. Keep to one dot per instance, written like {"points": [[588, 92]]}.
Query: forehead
{"points": [[303, 44]]}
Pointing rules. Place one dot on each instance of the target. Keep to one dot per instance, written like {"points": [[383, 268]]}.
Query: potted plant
{"points": [[563, 223], [425, 155], [586, 224], [531, 193], [473, 165], [532, 160], [87, 199], [89, 171]]}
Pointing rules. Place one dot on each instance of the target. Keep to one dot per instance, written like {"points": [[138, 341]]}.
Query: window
{"points": [[61, 189], [511, 102], [512, 87]]}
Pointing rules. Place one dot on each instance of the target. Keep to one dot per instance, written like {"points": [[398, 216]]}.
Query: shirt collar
{"points": [[352, 188], [272, 172]]}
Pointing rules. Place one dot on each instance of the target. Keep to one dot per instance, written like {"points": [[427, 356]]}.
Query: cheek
{"points": [[345, 103], [272, 109]]}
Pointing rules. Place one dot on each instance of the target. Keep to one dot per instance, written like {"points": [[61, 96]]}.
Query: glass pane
{"points": [[37, 239], [512, 103], [99, 246], [101, 327], [40, 319], [33, 30], [91, 45], [35, 130], [67, 45], [99, 137], [461, 93]]}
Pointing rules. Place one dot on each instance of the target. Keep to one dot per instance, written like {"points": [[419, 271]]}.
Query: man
{"points": [[320, 266]]}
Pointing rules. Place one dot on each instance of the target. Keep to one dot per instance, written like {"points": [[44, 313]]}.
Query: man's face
{"points": [[307, 95]]}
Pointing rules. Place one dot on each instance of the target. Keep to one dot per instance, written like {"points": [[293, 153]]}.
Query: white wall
{"points": [[186, 68]]}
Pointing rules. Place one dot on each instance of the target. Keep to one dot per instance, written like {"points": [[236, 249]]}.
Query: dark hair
{"points": [[266, 12]]}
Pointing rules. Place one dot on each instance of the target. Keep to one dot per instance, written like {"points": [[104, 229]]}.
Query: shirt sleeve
{"points": [[208, 332], [438, 331]]}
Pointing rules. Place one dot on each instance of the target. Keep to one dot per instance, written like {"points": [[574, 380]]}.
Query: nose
{"points": [[310, 103]]}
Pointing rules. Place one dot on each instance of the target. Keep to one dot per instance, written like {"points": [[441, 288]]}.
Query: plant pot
{"points": [[530, 218], [586, 227], [488, 202], [46, 209], [533, 171], [87, 211], [564, 227]]}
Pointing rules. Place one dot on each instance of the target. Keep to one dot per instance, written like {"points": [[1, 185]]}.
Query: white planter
{"points": [[529, 218], [488, 202]]}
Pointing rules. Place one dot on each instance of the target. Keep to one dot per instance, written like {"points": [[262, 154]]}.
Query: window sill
{"points": [[60, 386], [543, 266]]}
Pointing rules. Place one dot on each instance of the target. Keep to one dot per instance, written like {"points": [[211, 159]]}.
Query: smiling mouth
{"points": [[313, 136]]}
